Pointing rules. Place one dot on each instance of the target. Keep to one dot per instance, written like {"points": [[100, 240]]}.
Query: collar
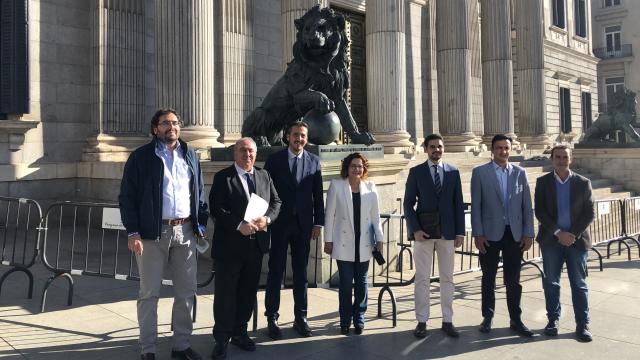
{"points": [[241, 171], [497, 167], [431, 163], [291, 155], [558, 179]]}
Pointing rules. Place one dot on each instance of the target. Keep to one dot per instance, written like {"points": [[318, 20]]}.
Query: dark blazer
{"points": [[449, 204], [306, 197], [228, 202], [546, 209], [141, 191]]}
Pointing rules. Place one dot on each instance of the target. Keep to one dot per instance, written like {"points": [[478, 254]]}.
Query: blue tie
{"points": [[436, 179], [250, 183]]}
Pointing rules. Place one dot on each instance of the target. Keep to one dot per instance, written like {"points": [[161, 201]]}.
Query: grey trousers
{"points": [[176, 251]]}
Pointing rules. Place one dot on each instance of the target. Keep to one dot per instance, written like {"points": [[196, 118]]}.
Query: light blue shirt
{"points": [[503, 181], [292, 156], [175, 183], [440, 171], [563, 202]]}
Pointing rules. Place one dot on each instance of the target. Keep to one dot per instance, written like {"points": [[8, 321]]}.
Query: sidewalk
{"points": [[102, 323]]}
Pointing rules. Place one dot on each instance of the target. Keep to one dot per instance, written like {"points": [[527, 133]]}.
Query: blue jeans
{"points": [[352, 276], [553, 257]]}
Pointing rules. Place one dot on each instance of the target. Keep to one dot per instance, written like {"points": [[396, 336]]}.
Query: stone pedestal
{"points": [[386, 74], [185, 66], [497, 72], [454, 73]]}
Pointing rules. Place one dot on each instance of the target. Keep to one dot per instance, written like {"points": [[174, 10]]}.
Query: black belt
{"points": [[174, 222]]}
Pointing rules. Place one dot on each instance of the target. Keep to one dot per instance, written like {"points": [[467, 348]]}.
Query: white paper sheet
{"points": [[256, 208]]}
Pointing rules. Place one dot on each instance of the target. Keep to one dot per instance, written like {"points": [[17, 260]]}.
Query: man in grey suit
{"points": [[564, 208], [502, 221]]}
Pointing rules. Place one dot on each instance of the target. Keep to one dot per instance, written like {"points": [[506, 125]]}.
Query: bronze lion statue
{"points": [[317, 78], [620, 115]]}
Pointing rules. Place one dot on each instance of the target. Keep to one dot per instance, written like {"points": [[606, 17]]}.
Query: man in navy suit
{"points": [[437, 189], [297, 177]]}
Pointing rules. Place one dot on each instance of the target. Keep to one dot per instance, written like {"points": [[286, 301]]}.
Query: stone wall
{"points": [[620, 165]]}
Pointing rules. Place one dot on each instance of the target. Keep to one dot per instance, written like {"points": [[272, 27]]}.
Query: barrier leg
{"points": [[534, 265], [620, 243], [599, 257], [195, 307], [50, 281], [21, 269], [394, 312]]}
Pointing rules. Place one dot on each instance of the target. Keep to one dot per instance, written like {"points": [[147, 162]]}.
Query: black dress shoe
{"points": [[274, 330], [420, 330], [219, 351], [583, 334], [520, 328], [485, 325], [450, 330], [358, 330], [344, 330], [148, 356], [244, 342], [186, 354], [302, 328], [552, 328]]}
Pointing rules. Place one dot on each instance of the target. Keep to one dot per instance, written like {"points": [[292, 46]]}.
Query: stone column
{"points": [[529, 71], [386, 74], [497, 70], [453, 18], [185, 64], [430, 120], [292, 10], [477, 116], [235, 67]]}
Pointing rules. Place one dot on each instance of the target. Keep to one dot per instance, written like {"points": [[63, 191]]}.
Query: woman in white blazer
{"points": [[351, 216]]}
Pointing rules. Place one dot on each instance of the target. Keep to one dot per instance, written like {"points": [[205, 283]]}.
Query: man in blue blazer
{"points": [[502, 221], [437, 189], [298, 179]]}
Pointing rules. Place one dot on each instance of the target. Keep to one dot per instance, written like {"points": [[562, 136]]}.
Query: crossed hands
{"points": [[250, 228]]}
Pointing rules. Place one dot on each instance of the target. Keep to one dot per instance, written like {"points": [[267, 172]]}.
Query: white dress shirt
{"points": [[175, 183]]}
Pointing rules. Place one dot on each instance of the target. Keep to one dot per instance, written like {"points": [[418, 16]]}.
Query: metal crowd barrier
{"points": [[632, 221], [19, 237], [607, 227], [87, 239]]}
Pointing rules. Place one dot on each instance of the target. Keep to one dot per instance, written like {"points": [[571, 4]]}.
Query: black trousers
{"points": [[511, 256], [236, 285], [287, 232]]}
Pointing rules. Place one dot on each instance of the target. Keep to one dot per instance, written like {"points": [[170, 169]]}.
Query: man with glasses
{"points": [[163, 209]]}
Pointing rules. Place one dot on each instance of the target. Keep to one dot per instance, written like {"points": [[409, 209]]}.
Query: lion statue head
{"points": [[321, 38]]}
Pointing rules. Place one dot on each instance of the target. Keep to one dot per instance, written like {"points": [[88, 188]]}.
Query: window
{"points": [[586, 111], [612, 38], [565, 110], [14, 74], [608, 3], [558, 13], [581, 18], [613, 85]]}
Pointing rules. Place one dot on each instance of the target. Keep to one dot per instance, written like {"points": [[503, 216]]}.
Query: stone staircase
{"points": [[603, 188]]}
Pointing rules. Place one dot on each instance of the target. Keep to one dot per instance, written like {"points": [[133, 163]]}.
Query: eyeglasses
{"points": [[170, 123], [356, 166]]}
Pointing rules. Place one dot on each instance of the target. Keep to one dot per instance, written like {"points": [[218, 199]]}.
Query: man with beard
{"points": [[436, 223], [238, 245], [297, 177], [502, 222], [163, 209]]}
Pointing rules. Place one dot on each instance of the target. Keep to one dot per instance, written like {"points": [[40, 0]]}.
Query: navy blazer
{"points": [[449, 204], [306, 197]]}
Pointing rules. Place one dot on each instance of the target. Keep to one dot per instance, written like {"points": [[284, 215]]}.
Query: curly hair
{"points": [[346, 162]]}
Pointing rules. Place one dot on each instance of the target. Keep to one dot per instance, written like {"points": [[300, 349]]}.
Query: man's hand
{"points": [[481, 244], [525, 243], [315, 232], [566, 238], [260, 223], [247, 229], [134, 243], [420, 235], [328, 248], [458, 241]]}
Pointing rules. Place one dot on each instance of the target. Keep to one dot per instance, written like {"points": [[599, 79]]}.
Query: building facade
{"points": [[615, 32], [80, 79]]}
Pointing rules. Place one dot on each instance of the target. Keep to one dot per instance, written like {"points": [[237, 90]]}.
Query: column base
{"points": [[103, 147], [461, 143], [395, 142], [201, 138], [536, 142]]}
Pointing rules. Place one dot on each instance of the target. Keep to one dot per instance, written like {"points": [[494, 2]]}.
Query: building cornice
{"points": [[548, 44]]}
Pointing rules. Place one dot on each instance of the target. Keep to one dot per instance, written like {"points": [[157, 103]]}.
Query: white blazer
{"points": [[338, 220]]}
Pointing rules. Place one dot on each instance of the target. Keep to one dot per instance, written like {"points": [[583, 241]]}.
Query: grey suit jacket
{"points": [[487, 211], [582, 211]]}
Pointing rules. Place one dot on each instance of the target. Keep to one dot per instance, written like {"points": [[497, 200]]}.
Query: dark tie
{"points": [[294, 169], [250, 183], [436, 179]]}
